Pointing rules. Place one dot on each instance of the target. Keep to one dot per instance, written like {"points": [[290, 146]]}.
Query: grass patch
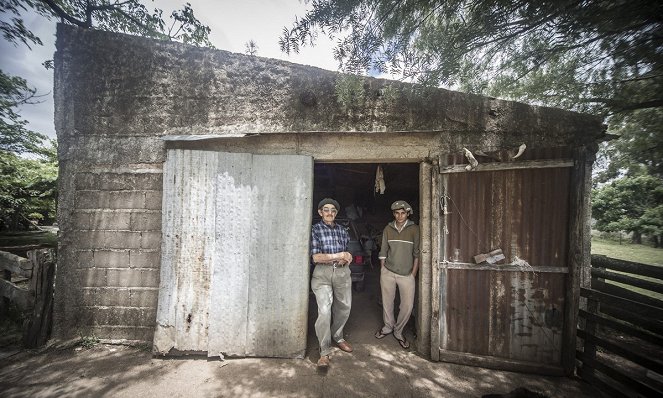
{"points": [[88, 342], [630, 252], [627, 251], [635, 289]]}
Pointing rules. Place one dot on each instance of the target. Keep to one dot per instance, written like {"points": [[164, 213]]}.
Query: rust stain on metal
{"points": [[523, 212], [512, 315]]}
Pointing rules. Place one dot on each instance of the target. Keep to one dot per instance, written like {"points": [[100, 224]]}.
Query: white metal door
{"points": [[234, 277]]}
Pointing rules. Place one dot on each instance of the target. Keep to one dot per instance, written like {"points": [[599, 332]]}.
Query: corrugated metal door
{"points": [[504, 314], [234, 268]]}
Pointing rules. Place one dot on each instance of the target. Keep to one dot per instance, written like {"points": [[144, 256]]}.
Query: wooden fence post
{"points": [[591, 328], [37, 329], [579, 249], [589, 347]]}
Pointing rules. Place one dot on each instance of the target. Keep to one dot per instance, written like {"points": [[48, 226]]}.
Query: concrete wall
{"points": [[116, 96]]}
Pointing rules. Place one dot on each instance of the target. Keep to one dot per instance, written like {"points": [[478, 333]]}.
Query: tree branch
{"points": [[640, 105], [62, 14]]}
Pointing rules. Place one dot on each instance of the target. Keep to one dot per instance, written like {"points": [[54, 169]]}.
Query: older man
{"points": [[399, 257], [331, 282]]}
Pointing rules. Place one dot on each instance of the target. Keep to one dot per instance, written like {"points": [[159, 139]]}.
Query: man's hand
{"points": [[346, 258], [415, 267]]}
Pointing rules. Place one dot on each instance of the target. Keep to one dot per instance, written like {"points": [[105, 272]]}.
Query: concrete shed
{"points": [[188, 178]]}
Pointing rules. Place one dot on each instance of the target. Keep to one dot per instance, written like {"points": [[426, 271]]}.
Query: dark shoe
{"points": [[323, 362], [404, 343], [345, 346], [380, 335]]}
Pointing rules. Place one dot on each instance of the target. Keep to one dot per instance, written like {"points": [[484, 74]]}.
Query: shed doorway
{"points": [[366, 212]]}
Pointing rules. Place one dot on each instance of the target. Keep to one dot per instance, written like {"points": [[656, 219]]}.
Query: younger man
{"points": [[399, 259]]}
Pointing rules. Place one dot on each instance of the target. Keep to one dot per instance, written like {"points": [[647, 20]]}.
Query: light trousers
{"points": [[333, 293], [406, 285]]}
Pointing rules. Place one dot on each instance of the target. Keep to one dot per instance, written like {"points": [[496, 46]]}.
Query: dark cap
{"points": [[401, 204], [329, 201]]}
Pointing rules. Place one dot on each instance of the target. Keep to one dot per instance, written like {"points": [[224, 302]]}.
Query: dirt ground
{"points": [[377, 368]]}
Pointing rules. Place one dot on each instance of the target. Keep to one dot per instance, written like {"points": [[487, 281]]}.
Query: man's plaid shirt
{"points": [[327, 240]]}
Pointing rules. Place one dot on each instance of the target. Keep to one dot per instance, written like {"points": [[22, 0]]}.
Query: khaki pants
{"points": [[406, 287], [333, 293]]}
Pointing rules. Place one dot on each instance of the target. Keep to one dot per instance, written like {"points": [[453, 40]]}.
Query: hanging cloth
{"points": [[379, 181]]}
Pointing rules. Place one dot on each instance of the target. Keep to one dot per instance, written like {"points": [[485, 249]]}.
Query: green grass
{"points": [[630, 252], [627, 251], [88, 341]]}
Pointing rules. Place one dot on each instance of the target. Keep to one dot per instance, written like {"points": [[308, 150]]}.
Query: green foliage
{"points": [[639, 148], [350, 91], [88, 341], [131, 16], [14, 136], [631, 204], [593, 55], [28, 168], [11, 25], [28, 189], [251, 47], [389, 95]]}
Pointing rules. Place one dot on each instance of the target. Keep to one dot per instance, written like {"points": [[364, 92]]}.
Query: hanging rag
{"points": [[379, 181]]}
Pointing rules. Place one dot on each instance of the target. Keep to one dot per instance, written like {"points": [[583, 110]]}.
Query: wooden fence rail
{"points": [[34, 300], [622, 340]]}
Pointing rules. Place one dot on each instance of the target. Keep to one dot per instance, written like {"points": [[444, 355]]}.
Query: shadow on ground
{"points": [[377, 368]]}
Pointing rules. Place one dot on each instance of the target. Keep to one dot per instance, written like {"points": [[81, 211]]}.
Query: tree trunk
{"points": [[637, 237]]}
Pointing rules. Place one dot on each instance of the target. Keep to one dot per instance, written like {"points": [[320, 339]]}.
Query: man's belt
{"points": [[335, 264]]}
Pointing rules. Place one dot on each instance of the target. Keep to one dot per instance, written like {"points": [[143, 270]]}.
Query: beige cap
{"points": [[401, 204]]}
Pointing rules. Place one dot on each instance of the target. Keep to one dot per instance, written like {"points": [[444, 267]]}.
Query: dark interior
{"points": [[353, 186]]}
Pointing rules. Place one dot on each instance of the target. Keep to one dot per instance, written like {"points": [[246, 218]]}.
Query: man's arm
{"points": [[415, 252], [383, 247], [415, 266], [328, 258]]}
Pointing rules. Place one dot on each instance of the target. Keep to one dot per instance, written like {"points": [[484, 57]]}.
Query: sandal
{"points": [[323, 362], [380, 335], [404, 343]]}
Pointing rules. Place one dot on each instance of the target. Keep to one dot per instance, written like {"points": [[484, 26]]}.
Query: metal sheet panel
{"points": [[187, 249], [235, 255], [515, 315], [506, 314], [278, 303], [522, 212], [259, 287], [234, 278]]}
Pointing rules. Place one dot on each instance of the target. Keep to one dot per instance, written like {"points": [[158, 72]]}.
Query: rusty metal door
{"points": [[507, 315], [234, 268]]}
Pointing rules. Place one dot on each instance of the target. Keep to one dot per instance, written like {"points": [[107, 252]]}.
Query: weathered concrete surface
{"points": [[123, 85]]}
